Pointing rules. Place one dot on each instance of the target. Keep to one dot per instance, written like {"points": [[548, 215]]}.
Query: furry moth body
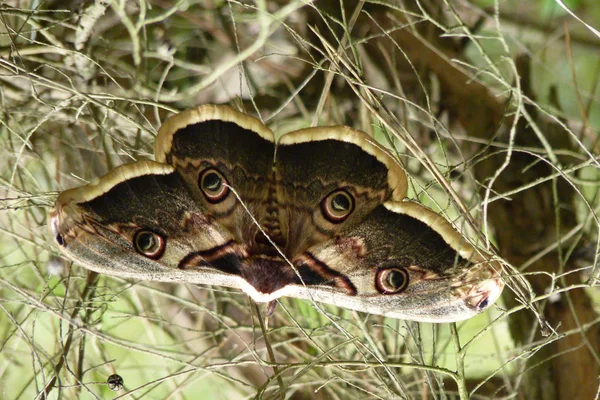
{"points": [[320, 214]]}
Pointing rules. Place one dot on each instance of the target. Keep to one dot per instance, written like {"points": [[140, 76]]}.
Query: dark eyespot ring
{"points": [[213, 185], [483, 304], [337, 206], [149, 244], [391, 280], [54, 227], [115, 382]]}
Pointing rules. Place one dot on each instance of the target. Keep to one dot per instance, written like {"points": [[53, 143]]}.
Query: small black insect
{"points": [[115, 382]]}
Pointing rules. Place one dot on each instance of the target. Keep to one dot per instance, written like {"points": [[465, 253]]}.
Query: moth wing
{"points": [[99, 225], [403, 261], [314, 165], [238, 147]]}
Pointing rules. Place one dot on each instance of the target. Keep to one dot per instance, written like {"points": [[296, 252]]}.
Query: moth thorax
{"points": [[271, 227]]}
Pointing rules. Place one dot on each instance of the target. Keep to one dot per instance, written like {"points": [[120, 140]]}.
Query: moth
{"points": [[319, 214]]}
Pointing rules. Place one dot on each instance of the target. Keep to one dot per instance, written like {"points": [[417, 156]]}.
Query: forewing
{"points": [[239, 147], [312, 164]]}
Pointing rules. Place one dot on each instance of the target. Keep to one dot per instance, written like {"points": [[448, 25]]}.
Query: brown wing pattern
{"points": [[318, 215]]}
